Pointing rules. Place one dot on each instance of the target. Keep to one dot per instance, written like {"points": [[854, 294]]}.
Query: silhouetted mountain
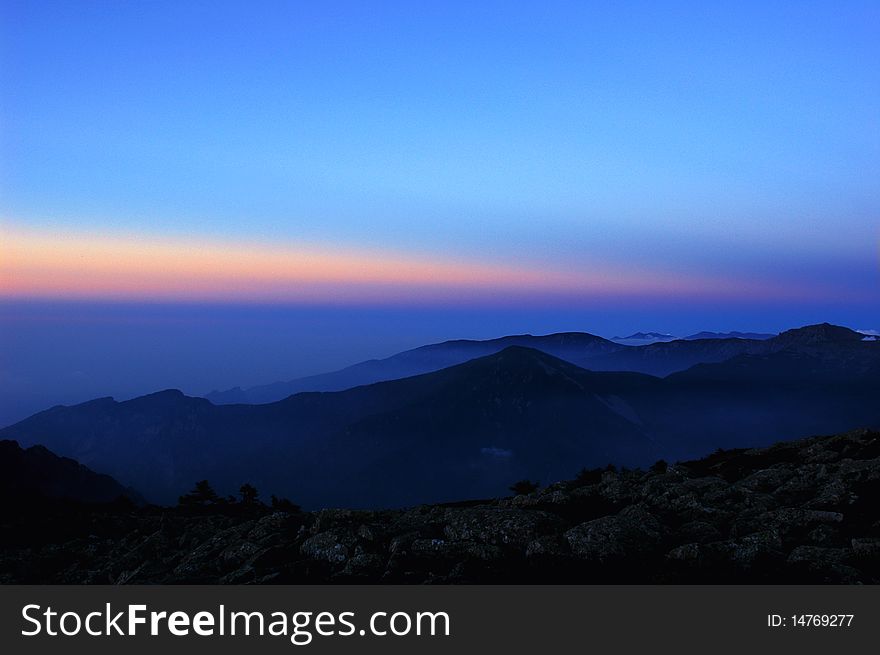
{"points": [[790, 391], [472, 429], [822, 333], [757, 336], [462, 431], [644, 352], [37, 472], [575, 347], [661, 359]]}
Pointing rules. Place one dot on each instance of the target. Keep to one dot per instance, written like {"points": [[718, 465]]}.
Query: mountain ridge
{"points": [[467, 430], [755, 336], [423, 359], [38, 472], [580, 348]]}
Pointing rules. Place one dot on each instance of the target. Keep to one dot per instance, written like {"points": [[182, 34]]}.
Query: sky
{"points": [[206, 194]]}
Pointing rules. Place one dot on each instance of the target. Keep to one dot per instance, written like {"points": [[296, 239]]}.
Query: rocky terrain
{"points": [[798, 512]]}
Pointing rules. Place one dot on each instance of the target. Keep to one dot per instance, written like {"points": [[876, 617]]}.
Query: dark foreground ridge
{"points": [[798, 512], [38, 472]]}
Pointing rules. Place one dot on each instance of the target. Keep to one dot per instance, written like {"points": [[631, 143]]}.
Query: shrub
{"points": [[201, 495], [249, 494], [660, 466], [588, 476]]}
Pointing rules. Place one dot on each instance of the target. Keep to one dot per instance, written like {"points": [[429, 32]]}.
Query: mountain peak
{"points": [[164, 399], [819, 333], [648, 335], [644, 338], [165, 393], [517, 358]]}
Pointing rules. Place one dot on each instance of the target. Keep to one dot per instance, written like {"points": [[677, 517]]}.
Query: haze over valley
{"points": [[465, 419]]}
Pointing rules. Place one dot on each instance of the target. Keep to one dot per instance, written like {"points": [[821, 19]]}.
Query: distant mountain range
{"points": [[643, 338], [470, 429], [647, 338], [575, 347], [579, 348], [757, 336]]}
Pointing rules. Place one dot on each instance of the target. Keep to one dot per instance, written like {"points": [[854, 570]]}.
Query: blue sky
{"points": [[492, 129], [735, 144]]}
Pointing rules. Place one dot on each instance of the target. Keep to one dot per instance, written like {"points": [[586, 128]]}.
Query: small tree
{"points": [[588, 476], [660, 466], [524, 487], [248, 494], [201, 495]]}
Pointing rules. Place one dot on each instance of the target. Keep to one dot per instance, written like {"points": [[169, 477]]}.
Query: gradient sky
{"points": [[477, 168]]}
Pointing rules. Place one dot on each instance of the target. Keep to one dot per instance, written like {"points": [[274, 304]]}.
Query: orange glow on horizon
{"points": [[40, 263]]}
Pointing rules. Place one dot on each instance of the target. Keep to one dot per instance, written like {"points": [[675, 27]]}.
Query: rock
{"points": [[615, 490], [685, 553], [767, 480], [633, 532], [816, 554], [828, 565], [547, 546], [500, 527], [403, 542], [456, 550], [866, 546], [270, 527], [788, 522], [368, 533], [364, 565], [700, 532], [206, 559], [240, 551], [333, 546], [743, 554], [824, 535], [831, 494], [751, 547]]}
